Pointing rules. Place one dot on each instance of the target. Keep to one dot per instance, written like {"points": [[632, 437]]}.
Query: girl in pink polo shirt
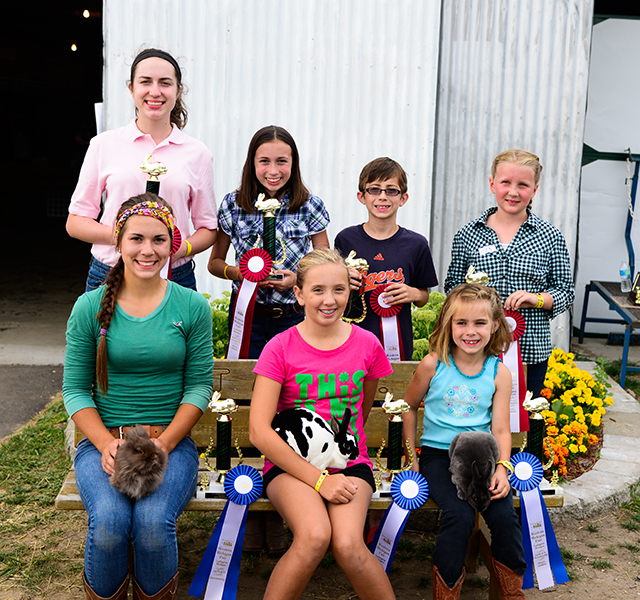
{"points": [[112, 167]]}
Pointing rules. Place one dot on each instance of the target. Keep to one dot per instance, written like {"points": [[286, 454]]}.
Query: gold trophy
{"points": [[223, 408], [268, 206], [395, 410], [154, 170], [352, 313]]}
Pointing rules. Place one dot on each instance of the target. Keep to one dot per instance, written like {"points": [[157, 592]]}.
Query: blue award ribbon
{"points": [[242, 485], [537, 531], [409, 491]]}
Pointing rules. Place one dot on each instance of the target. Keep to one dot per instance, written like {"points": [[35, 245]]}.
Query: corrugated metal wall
{"points": [[513, 74], [350, 80], [356, 79]]}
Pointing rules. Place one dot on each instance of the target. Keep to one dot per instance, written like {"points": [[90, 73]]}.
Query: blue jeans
{"points": [[98, 272], [148, 524], [536, 374], [458, 520], [263, 328]]}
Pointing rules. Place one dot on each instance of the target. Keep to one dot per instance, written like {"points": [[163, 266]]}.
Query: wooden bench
{"points": [[234, 379]]}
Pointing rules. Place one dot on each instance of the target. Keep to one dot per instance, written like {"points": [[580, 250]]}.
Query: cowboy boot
{"points": [[509, 584], [166, 593], [121, 594], [441, 591]]}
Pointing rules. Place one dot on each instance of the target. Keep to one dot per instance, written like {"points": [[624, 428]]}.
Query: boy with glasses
{"points": [[398, 258]]}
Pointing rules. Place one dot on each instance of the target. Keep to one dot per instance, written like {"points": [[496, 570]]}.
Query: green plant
{"points": [[600, 563], [578, 401], [424, 319], [220, 318]]}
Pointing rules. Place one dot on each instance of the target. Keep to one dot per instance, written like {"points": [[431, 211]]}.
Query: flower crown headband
{"points": [[147, 209]]}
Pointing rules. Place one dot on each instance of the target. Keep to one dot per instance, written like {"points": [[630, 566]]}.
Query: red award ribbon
{"points": [[389, 324], [255, 265], [165, 272], [512, 358]]}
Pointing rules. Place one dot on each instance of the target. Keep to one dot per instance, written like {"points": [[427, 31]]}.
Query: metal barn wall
{"points": [[351, 80], [513, 74]]}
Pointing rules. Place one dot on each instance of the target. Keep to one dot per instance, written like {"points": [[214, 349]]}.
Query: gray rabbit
{"points": [[139, 465], [473, 456]]}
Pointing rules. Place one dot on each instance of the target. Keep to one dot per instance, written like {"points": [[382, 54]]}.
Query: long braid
{"points": [[113, 282], [146, 204]]}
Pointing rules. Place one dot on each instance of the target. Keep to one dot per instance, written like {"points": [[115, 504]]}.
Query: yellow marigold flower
{"points": [[573, 449], [583, 448], [608, 400]]}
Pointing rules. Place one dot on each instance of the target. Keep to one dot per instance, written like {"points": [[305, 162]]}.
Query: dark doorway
{"points": [[49, 91]]}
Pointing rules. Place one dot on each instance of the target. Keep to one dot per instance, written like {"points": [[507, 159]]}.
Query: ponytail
{"points": [[114, 283]]}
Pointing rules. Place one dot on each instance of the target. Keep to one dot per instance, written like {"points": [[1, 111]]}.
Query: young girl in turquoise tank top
{"points": [[465, 387]]}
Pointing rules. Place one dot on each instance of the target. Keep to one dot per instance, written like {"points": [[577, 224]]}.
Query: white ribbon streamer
{"points": [[538, 535], [224, 551], [393, 523], [243, 299], [390, 337], [510, 360]]}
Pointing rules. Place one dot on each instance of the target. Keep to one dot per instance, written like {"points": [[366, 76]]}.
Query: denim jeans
{"points": [[458, 520], [98, 272], [148, 524], [536, 374]]}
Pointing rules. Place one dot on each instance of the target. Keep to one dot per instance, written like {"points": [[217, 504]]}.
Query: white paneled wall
{"points": [[350, 80]]}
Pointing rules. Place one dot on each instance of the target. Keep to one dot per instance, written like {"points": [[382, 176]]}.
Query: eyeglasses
{"points": [[376, 191]]}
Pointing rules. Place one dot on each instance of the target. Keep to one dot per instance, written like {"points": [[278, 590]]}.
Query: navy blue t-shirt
{"points": [[403, 258]]}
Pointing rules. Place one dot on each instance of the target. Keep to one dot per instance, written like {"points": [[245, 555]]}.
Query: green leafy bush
{"points": [[424, 319], [220, 317]]}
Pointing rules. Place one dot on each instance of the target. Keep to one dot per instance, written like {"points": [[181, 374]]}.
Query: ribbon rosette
{"points": [[389, 324], [255, 265], [511, 357], [219, 568], [409, 491], [540, 545], [165, 272]]}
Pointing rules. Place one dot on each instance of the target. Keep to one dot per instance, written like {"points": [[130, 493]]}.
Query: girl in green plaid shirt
{"points": [[525, 257]]}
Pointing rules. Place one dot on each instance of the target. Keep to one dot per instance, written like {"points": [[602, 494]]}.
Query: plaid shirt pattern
{"points": [[535, 261], [293, 236]]}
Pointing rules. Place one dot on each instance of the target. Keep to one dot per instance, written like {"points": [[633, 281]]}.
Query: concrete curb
{"points": [[609, 483]]}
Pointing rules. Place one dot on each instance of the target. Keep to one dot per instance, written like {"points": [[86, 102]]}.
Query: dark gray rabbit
{"points": [[139, 465], [312, 438], [473, 456]]}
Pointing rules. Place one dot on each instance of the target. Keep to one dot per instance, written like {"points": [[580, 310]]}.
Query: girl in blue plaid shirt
{"points": [[525, 257], [272, 167]]}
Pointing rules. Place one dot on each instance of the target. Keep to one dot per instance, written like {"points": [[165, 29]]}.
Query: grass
{"points": [[632, 380], [34, 537]]}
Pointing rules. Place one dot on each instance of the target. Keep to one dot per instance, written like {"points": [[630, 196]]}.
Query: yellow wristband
{"points": [[540, 302], [225, 272], [507, 465], [189, 247], [321, 479]]}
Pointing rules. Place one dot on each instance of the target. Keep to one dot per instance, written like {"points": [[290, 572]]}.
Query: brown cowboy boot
{"points": [[121, 594], [441, 591], [166, 593], [509, 584]]}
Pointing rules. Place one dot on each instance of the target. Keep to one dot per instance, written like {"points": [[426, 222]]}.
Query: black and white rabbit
{"points": [[473, 456], [139, 465], [313, 439]]}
